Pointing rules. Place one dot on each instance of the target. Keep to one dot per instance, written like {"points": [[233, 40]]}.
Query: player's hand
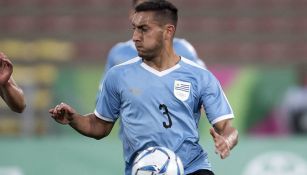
{"points": [[221, 146], [62, 113], [6, 69]]}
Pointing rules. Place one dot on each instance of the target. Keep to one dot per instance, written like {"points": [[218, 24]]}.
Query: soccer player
{"points": [[157, 96], [9, 91], [124, 51]]}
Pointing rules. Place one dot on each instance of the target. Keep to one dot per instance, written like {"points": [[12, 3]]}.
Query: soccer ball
{"points": [[157, 161]]}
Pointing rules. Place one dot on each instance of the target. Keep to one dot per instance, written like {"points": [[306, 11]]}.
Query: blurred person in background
{"points": [[293, 108], [157, 97], [124, 51], [9, 91]]}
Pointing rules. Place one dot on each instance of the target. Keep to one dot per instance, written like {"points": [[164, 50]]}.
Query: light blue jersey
{"points": [[125, 51], [162, 108]]}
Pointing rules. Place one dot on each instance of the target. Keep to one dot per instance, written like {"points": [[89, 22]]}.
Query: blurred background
{"points": [[256, 48]]}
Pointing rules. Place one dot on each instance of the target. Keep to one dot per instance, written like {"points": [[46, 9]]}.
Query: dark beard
{"points": [[148, 56], [152, 53]]}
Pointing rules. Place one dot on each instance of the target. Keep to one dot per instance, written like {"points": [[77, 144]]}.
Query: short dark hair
{"points": [[163, 8]]}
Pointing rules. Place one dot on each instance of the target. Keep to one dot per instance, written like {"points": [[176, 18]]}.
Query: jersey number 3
{"points": [[163, 107]]}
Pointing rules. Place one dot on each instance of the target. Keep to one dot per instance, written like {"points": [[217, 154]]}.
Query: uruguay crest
{"points": [[182, 90]]}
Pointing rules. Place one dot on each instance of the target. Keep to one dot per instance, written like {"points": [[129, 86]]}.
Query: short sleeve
{"points": [[108, 101], [214, 100]]}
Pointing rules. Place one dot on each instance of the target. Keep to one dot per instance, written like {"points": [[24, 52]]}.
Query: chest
{"points": [[145, 89]]}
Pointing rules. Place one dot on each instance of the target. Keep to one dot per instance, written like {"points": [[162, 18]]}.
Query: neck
{"points": [[163, 61]]}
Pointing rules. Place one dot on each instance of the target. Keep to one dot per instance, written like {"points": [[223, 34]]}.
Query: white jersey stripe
{"points": [[102, 117], [224, 117]]}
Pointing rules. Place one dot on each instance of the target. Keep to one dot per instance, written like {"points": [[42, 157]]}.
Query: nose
{"points": [[136, 35]]}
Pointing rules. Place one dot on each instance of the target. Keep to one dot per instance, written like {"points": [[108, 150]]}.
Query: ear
{"points": [[169, 31]]}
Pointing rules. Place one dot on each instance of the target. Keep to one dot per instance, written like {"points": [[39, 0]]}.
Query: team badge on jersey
{"points": [[182, 90]]}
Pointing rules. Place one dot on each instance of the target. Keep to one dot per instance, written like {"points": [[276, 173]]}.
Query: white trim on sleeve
{"points": [[223, 117], [102, 117]]}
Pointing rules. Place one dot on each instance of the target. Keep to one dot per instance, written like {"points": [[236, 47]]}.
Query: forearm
{"points": [[13, 96], [88, 126]]}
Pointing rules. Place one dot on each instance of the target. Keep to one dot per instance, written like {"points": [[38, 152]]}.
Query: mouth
{"points": [[139, 48], [138, 45]]}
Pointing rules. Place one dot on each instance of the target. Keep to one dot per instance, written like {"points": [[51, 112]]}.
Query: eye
{"points": [[144, 29]]}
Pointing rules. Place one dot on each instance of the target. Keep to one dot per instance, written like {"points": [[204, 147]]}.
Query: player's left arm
{"points": [[9, 91], [225, 137], [13, 96]]}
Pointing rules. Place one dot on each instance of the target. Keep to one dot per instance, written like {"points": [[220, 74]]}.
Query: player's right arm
{"points": [[88, 125]]}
